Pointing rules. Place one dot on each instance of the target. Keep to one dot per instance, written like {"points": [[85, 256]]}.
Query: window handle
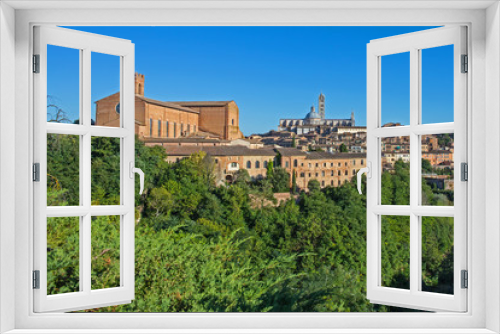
{"points": [[368, 171], [133, 171]]}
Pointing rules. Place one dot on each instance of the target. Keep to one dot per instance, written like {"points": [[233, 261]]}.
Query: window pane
{"points": [[63, 170], [437, 84], [395, 160], [438, 169], [395, 89], [105, 252], [105, 171], [396, 252], [106, 109], [63, 256], [437, 254], [63, 85]]}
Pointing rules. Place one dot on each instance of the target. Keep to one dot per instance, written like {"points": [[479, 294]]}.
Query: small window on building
{"points": [[317, 174], [340, 164], [257, 164], [295, 163], [232, 122], [346, 163], [317, 165], [151, 127], [286, 164], [353, 172], [340, 173], [265, 164], [166, 129], [346, 173], [323, 173], [182, 129], [362, 162], [331, 183], [188, 128], [331, 165], [194, 128], [302, 174], [324, 165], [159, 128], [309, 174], [249, 164], [216, 161], [322, 183], [332, 175], [234, 165], [175, 130]]}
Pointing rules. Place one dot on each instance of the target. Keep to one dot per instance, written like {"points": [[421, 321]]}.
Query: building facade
{"points": [[315, 121], [328, 169], [160, 119]]}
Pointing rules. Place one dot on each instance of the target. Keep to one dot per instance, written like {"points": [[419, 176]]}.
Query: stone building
{"points": [[316, 122], [329, 169], [159, 119]]}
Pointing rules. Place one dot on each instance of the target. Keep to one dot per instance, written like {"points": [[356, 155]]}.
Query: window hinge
{"points": [[465, 279], [36, 63], [465, 64], [464, 171], [36, 172], [36, 279]]}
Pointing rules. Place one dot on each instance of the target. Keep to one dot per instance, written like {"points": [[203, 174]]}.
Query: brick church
{"points": [[160, 119]]}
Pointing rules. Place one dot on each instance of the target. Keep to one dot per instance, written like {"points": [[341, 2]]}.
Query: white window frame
{"points": [[484, 264], [86, 44], [414, 43]]}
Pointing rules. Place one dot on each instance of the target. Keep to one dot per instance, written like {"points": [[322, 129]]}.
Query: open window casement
{"points": [[83, 212], [416, 295]]}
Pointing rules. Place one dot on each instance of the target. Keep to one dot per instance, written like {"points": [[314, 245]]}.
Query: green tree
{"points": [[313, 185], [294, 181], [160, 201], [426, 166], [343, 148]]}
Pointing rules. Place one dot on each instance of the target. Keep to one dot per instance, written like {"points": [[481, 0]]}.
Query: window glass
{"points": [[105, 90], [395, 90], [105, 252], [63, 255], [63, 85], [437, 85], [63, 170]]}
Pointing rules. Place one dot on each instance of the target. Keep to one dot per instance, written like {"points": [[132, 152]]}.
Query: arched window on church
{"points": [[265, 164], [151, 127], [249, 164], [159, 128], [257, 164], [166, 129]]}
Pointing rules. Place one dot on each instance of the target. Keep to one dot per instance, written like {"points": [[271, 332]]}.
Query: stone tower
{"points": [[321, 106], [139, 84]]}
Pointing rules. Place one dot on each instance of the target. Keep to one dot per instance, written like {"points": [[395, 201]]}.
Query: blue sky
{"points": [[271, 72]]}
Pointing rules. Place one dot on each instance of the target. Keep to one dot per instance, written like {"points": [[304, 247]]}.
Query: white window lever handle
{"points": [[368, 172], [133, 171]]}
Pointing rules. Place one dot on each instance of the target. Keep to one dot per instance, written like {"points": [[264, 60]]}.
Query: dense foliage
{"points": [[202, 248]]}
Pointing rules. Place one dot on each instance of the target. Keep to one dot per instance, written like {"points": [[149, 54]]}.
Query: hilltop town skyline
{"points": [[271, 72]]}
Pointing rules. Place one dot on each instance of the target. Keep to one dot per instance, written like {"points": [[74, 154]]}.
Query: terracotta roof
{"points": [[290, 152], [327, 155], [184, 140], [202, 103], [166, 104], [219, 151]]}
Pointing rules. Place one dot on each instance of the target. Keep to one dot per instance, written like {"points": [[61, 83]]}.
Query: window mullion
{"points": [[414, 168], [86, 168]]}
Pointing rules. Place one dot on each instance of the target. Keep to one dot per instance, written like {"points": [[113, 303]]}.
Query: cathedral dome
{"points": [[313, 114]]}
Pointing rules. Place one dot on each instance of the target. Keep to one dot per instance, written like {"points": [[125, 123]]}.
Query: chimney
{"points": [[139, 84]]}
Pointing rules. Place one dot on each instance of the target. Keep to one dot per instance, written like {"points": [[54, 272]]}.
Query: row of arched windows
{"points": [[257, 164], [167, 133]]}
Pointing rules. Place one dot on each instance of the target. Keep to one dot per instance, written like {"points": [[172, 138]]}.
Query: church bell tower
{"points": [[321, 106]]}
